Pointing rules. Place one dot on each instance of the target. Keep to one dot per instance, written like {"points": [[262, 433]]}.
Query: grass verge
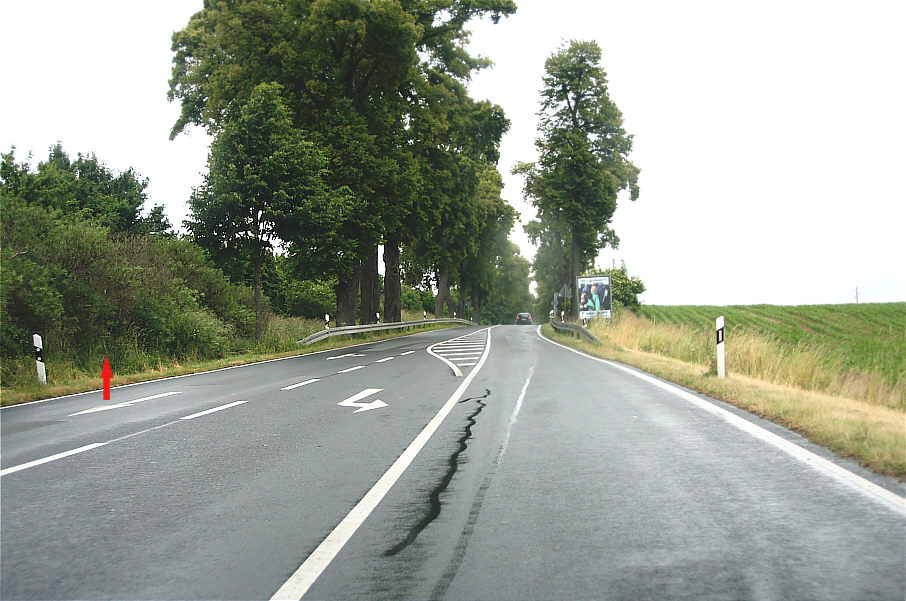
{"points": [[280, 342], [872, 434]]}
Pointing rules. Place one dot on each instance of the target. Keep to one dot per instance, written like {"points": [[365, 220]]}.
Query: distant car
{"points": [[524, 318]]}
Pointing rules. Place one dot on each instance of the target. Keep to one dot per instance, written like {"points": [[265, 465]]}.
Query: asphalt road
{"points": [[469, 463]]}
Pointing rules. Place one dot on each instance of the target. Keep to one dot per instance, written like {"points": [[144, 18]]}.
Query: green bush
{"points": [[416, 300], [310, 299]]}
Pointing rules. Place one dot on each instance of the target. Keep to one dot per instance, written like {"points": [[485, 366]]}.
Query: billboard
{"points": [[595, 299]]}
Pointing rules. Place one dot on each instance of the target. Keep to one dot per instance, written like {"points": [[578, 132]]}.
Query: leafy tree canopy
{"points": [[83, 189]]}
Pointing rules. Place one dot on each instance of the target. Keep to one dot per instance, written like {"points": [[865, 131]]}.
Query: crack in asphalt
{"points": [[434, 502]]}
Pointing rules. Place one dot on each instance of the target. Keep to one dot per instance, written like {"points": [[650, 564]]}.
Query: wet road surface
{"points": [[377, 472]]}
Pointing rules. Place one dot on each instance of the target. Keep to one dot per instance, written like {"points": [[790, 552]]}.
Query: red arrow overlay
{"points": [[106, 374]]}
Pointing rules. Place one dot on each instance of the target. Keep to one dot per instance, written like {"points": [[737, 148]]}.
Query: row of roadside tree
{"points": [[341, 127]]}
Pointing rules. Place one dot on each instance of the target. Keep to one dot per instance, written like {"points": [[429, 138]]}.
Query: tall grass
{"points": [[804, 364]]}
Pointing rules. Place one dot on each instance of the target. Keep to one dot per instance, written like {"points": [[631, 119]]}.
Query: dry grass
{"points": [[872, 433], [750, 353]]}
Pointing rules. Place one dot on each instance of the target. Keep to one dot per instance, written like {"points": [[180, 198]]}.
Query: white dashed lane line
{"points": [[305, 383]]}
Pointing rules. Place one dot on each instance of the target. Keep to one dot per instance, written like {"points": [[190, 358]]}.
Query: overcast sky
{"points": [[770, 135]]}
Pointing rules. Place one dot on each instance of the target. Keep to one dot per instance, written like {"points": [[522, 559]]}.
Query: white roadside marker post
{"points": [[378, 315], [721, 360], [327, 321], [39, 359]]}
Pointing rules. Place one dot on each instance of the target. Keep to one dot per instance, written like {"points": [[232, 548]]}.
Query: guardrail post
{"points": [[721, 360], [39, 359]]}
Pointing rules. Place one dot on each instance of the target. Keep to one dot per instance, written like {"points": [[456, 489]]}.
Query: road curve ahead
{"points": [[470, 463]]}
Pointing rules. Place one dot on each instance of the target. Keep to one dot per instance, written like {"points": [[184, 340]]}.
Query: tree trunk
{"points": [[371, 296], [259, 314], [575, 258], [347, 295], [443, 290], [393, 290]]}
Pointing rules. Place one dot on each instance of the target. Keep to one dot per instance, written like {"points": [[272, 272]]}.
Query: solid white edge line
{"points": [[305, 383], [299, 583], [215, 409], [829, 468], [24, 466]]}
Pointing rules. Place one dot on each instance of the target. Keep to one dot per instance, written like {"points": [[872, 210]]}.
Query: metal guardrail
{"points": [[376, 327], [574, 328]]}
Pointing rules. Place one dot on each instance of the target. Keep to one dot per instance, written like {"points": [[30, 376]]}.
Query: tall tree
{"points": [[263, 175], [349, 69], [583, 155]]}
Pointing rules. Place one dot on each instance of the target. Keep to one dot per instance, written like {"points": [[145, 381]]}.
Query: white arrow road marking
{"points": [[312, 381], [346, 355], [24, 466], [375, 404], [221, 408], [125, 404]]}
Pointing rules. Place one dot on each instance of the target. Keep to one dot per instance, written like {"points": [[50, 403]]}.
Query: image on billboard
{"points": [[595, 299]]}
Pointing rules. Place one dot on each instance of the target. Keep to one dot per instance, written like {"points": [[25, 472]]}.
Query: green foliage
{"points": [[624, 287], [84, 189], [417, 300], [378, 88], [265, 182], [92, 292], [509, 293], [867, 336], [582, 164], [311, 298]]}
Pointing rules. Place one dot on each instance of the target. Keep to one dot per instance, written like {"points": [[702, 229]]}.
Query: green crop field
{"points": [[866, 337]]}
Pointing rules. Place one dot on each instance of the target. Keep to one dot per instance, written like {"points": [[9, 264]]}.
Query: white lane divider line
{"points": [[214, 410], [384, 359], [123, 404], [352, 401], [829, 468], [305, 383], [346, 371], [406, 353], [302, 579], [344, 356], [25, 466]]}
